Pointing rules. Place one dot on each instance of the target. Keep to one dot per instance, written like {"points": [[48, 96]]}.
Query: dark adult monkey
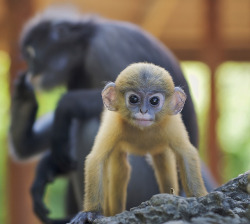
{"points": [[81, 52]]}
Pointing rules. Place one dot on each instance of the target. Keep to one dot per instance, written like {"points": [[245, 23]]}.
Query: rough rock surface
{"points": [[228, 204]]}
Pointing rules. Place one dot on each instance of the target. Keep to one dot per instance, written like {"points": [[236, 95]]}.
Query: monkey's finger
{"points": [[40, 208], [85, 217], [20, 80], [37, 192], [91, 216], [41, 211], [23, 89]]}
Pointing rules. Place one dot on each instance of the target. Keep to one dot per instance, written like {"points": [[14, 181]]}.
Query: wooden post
{"points": [[213, 56], [19, 175]]}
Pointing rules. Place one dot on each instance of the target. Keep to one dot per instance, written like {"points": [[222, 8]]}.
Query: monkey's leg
{"points": [[94, 195], [119, 174], [82, 104], [166, 171], [96, 166], [106, 186], [190, 171]]}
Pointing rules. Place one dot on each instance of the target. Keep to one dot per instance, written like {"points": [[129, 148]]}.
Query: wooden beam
{"points": [[158, 16], [3, 26]]}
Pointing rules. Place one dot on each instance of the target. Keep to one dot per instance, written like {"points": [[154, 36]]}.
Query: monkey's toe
{"points": [[85, 217]]}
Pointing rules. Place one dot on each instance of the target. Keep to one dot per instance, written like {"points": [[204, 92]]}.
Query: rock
{"points": [[248, 186], [227, 204]]}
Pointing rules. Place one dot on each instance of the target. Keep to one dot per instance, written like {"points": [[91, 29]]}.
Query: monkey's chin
{"points": [[143, 123]]}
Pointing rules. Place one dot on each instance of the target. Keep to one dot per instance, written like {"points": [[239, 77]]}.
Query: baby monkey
{"points": [[142, 117]]}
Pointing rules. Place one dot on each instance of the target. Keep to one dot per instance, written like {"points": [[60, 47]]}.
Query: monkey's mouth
{"points": [[143, 122], [34, 80]]}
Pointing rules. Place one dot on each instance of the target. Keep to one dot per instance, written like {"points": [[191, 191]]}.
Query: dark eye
{"points": [[133, 99], [154, 100]]}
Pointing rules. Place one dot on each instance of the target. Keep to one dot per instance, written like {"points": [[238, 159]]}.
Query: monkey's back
{"points": [[120, 44]]}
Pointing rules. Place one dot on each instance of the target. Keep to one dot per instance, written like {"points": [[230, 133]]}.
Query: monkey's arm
{"points": [[166, 171], [82, 104], [96, 179], [96, 172], [188, 160], [105, 193], [119, 175], [95, 185], [27, 136], [190, 171], [46, 172]]}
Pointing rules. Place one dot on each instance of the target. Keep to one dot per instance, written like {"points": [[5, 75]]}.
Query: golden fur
{"points": [[107, 170]]}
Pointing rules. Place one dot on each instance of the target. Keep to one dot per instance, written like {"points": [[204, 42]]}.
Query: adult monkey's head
{"points": [[53, 44]]}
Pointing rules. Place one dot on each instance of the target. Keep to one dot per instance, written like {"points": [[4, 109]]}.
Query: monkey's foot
{"points": [[85, 217]]}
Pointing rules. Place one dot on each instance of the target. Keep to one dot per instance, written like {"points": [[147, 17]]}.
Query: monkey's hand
{"points": [[86, 217], [37, 192], [24, 104], [23, 115], [23, 90], [46, 172]]}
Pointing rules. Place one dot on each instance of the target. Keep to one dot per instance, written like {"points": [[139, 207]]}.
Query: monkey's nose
{"points": [[143, 111]]}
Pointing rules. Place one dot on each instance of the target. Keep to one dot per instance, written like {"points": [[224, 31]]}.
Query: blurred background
{"points": [[211, 38]]}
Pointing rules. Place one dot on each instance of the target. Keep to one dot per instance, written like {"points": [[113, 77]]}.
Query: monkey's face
{"points": [[144, 106], [143, 95], [51, 55]]}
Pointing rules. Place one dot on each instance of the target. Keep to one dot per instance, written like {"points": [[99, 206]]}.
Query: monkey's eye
{"points": [[154, 100], [133, 99]]}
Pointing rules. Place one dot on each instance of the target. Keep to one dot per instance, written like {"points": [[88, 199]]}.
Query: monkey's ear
{"points": [[109, 96], [177, 102]]}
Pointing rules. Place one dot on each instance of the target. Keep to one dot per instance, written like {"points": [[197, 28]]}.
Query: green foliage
{"points": [[47, 101], [55, 198], [4, 93], [233, 129], [197, 75], [4, 121]]}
